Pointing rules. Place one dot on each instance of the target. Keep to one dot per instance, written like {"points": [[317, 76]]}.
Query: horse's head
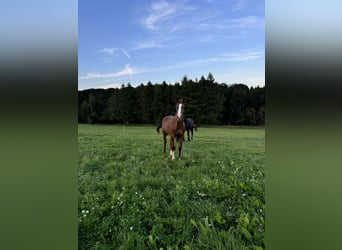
{"points": [[180, 110]]}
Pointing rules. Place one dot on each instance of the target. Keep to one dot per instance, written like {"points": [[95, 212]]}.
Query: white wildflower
{"points": [[201, 194]]}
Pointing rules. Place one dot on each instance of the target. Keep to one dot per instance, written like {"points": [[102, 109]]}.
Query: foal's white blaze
{"points": [[179, 110]]}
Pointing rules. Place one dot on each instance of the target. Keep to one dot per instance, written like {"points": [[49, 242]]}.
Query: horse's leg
{"points": [[164, 138], [172, 147], [192, 133], [187, 131], [180, 147]]}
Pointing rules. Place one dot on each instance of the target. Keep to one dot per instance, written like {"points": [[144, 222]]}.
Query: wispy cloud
{"points": [[178, 15], [125, 53], [111, 51], [107, 50], [147, 45], [108, 86], [160, 11], [170, 36], [127, 70], [168, 23], [246, 21], [243, 56], [240, 5], [244, 77], [164, 15]]}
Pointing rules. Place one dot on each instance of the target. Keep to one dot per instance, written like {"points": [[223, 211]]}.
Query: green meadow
{"points": [[132, 196]]}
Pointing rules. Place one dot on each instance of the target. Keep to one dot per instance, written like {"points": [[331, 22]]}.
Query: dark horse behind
{"points": [[189, 127], [175, 128]]}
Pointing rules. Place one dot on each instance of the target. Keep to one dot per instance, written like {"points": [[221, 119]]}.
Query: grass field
{"points": [[132, 196]]}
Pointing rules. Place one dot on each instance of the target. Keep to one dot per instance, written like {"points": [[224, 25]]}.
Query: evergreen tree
{"points": [[207, 102], [128, 105], [238, 104]]}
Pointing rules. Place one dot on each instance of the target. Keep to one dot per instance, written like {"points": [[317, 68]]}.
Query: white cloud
{"points": [[163, 15], [160, 11], [240, 5], [108, 50], [127, 70], [243, 56], [147, 45], [245, 21], [108, 86], [111, 51], [244, 77], [237, 57], [125, 53], [170, 23]]}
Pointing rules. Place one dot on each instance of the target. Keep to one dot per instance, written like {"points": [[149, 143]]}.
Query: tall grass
{"points": [[132, 196]]}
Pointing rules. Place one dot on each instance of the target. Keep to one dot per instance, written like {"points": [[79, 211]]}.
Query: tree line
{"points": [[206, 101]]}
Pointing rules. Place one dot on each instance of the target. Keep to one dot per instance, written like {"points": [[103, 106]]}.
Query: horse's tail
{"points": [[159, 126]]}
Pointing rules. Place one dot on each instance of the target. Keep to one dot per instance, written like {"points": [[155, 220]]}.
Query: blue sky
{"points": [[137, 41]]}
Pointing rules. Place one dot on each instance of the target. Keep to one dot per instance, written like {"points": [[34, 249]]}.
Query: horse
{"points": [[174, 127], [190, 126]]}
